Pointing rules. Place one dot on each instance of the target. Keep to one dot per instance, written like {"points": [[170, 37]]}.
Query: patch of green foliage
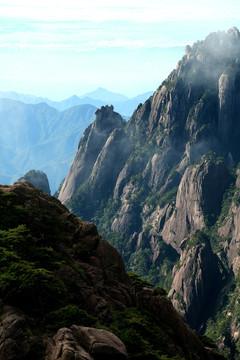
{"points": [[207, 341], [140, 261], [137, 282], [11, 212], [81, 203], [160, 273], [210, 155], [67, 316], [219, 327], [226, 203], [199, 237], [142, 338], [24, 282], [236, 197], [30, 257], [160, 291], [170, 84], [163, 199]]}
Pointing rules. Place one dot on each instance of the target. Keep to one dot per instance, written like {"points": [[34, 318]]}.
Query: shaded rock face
{"points": [[90, 147], [104, 174], [196, 284], [13, 339], [38, 179]]}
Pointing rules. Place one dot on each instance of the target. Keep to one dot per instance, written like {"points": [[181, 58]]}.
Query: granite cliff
{"points": [[171, 179]]}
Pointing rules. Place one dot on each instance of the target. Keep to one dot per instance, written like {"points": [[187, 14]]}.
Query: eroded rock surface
{"points": [[85, 343], [196, 283], [198, 199]]}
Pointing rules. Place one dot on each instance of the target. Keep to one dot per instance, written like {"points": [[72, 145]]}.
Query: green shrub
{"points": [[137, 282], [67, 316], [160, 291], [197, 238]]}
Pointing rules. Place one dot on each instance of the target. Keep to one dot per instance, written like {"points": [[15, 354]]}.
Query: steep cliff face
{"points": [[199, 199], [196, 281], [229, 229], [170, 181], [90, 146], [61, 282]]}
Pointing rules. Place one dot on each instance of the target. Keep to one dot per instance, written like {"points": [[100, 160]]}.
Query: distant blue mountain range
{"points": [[97, 98], [39, 137], [37, 133]]}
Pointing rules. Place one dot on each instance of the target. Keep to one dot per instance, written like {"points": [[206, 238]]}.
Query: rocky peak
{"points": [[107, 117], [90, 146], [38, 179]]}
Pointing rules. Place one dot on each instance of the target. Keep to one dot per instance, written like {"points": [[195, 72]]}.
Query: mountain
{"points": [[39, 137], [97, 98], [38, 179], [105, 95], [164, 187], [65, 294], [26, 98]]}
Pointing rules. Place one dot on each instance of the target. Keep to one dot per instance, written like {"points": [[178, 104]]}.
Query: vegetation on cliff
{"points": [[58, 273]]}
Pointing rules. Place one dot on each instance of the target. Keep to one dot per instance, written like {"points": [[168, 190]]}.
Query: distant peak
{"points": [[234, 32]]}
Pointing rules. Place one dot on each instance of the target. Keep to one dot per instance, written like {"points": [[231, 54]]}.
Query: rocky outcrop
{"points": [[229, 230], [90, 146], [85, 344], [196, 283], [16, 339], [38, 179], [198, 201], [226, 94]]}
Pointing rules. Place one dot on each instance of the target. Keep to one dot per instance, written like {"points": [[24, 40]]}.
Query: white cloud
{"points": [[133, 11]]}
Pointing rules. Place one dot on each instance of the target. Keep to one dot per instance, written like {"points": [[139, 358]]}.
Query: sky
{"points": [[56, 49]]}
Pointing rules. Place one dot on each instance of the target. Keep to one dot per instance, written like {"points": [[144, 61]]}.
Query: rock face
{"points": [[196, 283], [198, 199], [14, 341], [38, 179], [73, 278], [89, 148], [100, 344], [172, 178], [229, 230]]}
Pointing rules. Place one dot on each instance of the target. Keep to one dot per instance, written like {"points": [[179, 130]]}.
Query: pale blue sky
{"points": [[60, 48]]}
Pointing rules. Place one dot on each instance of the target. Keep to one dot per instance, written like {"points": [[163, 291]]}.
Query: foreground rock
{"points": [[85, 344]]}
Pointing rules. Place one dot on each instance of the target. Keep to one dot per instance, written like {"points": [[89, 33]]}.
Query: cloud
{"points": [[131, 11]]}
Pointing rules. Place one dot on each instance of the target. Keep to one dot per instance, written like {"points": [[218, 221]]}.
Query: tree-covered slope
{"points": [[64, 291]]}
